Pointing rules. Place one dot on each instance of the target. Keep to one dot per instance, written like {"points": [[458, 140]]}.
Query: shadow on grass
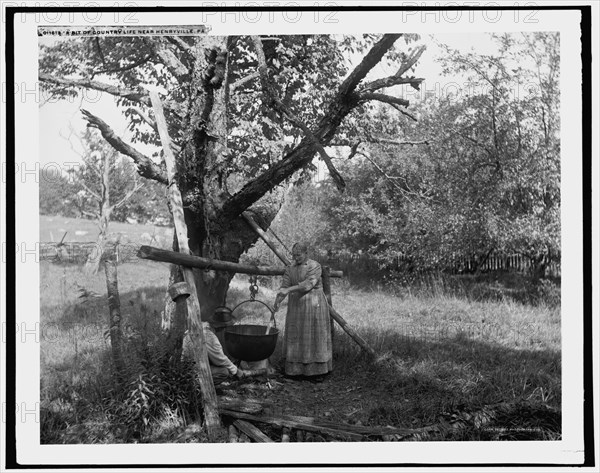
{"points": [[419, 382]]}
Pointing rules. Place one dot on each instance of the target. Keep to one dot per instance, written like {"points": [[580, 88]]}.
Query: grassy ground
{"points": [[52, 229], [456, 350]]}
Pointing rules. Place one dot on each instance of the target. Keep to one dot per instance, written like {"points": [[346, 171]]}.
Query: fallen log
{"points": [[166, 256], [240, 405], [367, 431], [251, 431], [285, 421], [256, 406]]}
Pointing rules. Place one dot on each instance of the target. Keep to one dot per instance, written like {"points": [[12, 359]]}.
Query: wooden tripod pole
{"points": [[266, 238], [194, 326]]}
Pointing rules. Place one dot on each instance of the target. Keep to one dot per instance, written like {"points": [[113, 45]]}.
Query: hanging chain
{"points": [[253, 286]]}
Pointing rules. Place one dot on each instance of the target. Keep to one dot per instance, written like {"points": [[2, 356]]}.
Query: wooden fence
{"points": [[356, 265]]}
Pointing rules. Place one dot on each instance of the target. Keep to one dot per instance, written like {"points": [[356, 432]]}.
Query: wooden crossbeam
{"points": [[166, 256]]}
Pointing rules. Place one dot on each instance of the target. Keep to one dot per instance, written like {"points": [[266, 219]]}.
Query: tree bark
{"points": [[93, 262], [114, 315]]}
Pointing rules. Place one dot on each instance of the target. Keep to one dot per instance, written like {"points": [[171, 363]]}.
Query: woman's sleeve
{"points": [[285, 281], [313, 274]]}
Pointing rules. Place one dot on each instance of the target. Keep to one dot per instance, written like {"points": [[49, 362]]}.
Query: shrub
{"points": [[548, 292]]}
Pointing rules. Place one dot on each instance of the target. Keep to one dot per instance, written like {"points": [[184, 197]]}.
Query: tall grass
{"points": [[455, 344]]}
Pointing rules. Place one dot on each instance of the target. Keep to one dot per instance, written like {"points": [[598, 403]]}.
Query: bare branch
{"points": [[407, 193], [411, 61], [369, 61], [354, 149], [144, 117], [128, 196], [152, 124], [243, 80], [396, 142], [472, 140], [94, 194], [384, 98], [146, 168], [90, 214], [68, 140], [381, 171], [404, 112], [397, 78]]}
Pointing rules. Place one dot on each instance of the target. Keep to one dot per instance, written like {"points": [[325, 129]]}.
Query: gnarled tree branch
{"points": [[146, 167]]}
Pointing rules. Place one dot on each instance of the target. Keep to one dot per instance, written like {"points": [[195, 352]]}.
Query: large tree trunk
{"points": [[203, 176]]}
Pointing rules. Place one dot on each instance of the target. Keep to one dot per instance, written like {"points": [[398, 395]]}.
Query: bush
{"points": [[152, 385], [548, 292]]}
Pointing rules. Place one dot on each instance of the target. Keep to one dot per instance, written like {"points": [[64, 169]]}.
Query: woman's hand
{"points": [[279, 298]]}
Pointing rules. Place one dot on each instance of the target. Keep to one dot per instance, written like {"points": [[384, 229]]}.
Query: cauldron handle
{"points": [[260, 302]]}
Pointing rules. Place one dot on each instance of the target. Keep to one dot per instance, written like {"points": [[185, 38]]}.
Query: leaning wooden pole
{"points": [[195, 333], [326, 280], [350, 331], [266, 238]]}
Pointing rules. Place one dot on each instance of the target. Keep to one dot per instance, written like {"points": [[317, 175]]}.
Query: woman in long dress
{"points": [[307, 340]]}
